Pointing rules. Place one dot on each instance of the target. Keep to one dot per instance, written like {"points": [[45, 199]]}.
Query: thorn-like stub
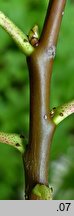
{"points": [[51, 52]]}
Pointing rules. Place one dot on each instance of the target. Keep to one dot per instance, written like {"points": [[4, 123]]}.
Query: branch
{"points": [[42, 127], [17, 35], [52, 23], [14, 140], [59, 113]]}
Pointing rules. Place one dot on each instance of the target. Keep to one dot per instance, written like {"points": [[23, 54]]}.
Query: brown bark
{"points": [[42, 128]]}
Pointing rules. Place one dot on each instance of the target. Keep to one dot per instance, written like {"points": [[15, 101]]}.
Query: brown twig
{"points": [[41, 126]]}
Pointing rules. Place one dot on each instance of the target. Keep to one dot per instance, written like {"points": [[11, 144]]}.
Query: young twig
{"points": [[59, 113], [17, 35], [14, 140]]}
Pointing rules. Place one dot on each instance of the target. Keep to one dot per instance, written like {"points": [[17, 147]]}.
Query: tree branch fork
{"points": [[43, 121]]}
